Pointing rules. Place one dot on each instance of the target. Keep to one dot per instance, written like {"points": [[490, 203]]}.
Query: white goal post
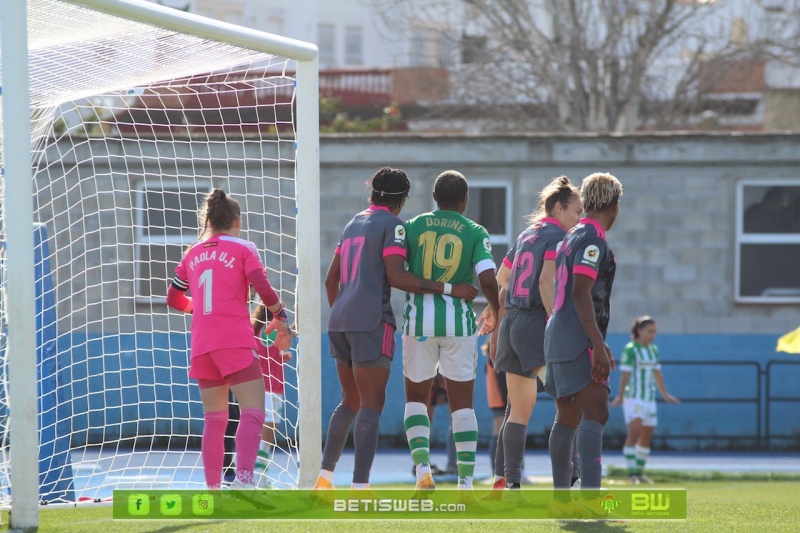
{"points": [[271, 150]]}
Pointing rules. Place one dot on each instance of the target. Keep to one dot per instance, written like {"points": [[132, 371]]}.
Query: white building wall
{"points": [[301, 19]]}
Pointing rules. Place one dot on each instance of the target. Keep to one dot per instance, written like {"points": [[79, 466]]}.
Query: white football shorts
{"points": [[455, 358], [646, 410]]}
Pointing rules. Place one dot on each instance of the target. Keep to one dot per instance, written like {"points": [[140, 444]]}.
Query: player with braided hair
{"points": [[367, 263]]}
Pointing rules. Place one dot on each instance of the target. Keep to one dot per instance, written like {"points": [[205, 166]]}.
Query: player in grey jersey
{"points": [[368, 261], [526, 279], [578, 359]]}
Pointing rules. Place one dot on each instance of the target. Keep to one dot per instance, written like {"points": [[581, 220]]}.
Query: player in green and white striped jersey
{"points": [[440, 330], [641, 374]]}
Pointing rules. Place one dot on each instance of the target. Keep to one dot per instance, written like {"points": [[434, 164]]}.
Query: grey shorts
{"points": [[370, 349], [379, 362], [520, 343], [568, 378]]}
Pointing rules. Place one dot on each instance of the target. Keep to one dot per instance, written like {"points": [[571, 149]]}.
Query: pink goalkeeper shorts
{"points": [[230, 366]]}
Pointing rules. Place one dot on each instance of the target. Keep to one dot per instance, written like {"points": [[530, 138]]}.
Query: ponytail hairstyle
{"points": [[218, 212], [639, 323], [560, 191], [390, 188], [600, 191]]}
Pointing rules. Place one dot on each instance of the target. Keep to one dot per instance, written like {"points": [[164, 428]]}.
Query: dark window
{"points": [[768, 242], [166, 222]]}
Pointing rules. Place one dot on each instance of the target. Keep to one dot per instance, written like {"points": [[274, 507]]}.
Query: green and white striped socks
{"points": [[465, 434], [418, 434], [642, 454], [630, 459]]}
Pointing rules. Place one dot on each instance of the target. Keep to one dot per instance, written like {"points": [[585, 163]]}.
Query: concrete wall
{"points": [[675, 236], [675, 244]]}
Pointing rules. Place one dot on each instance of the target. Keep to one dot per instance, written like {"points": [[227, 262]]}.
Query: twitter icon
{"points": [[171, 504]]}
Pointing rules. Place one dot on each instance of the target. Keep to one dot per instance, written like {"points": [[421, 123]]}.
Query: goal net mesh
{"points": [[131, 126]]}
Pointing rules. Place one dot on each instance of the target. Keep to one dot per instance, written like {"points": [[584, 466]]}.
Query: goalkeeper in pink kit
{"points": [[218, 270]]}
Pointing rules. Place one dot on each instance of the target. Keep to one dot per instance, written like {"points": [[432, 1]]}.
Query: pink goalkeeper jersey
{"points": [[215, 271]]}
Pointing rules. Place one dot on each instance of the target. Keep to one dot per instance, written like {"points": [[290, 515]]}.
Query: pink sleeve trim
{"points": [[338, 250], [394, 250], [550, 255], [258, 279], [586, 271], [508, 264]]}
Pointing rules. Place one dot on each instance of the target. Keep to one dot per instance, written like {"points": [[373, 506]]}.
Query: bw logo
{"points": [[649, 501]]}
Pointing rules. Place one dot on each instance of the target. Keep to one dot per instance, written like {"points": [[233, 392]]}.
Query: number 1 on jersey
{"points": [[206, 281]]}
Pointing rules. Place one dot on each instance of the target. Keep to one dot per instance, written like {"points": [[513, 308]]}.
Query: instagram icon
{"points": [[202, 504]]}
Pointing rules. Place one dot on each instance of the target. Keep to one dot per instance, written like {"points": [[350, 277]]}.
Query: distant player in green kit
{"points": [[641, 374], [440, 331]]}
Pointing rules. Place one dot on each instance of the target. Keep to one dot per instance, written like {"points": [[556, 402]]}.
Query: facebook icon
{"points": [[138, 504]]}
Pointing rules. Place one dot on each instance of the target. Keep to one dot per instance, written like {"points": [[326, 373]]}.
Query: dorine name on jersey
{"points": [[445, 223]]}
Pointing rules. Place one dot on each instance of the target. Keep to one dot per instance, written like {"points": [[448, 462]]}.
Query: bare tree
{"points": [[595, 65]]}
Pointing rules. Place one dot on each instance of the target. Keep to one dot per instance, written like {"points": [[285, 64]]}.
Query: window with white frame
{"points": [[490, 206], [353, 45], [768, 241], [326, 41], [166, 223]]}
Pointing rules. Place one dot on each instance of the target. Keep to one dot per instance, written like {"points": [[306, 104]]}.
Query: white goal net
{"points": [[132, 125]]}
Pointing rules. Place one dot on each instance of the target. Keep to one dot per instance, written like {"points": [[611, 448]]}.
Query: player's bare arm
{"points": [[402, 279], [582, 295], [501, 312], [489, 319], [547, 285], [623, 382], [503, 275], [332, 279], [659, 379]]}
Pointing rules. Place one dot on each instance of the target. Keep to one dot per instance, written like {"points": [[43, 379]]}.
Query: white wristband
{"points": [[448, 288]]}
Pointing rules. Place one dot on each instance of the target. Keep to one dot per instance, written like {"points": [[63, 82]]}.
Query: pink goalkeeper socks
{"points": [[248, 439], [212, 447]]}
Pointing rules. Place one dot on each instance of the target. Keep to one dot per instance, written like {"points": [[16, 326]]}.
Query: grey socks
{"points": [[338, 428], [514, 448], [590, 450], [365, 438], [560, 444]]}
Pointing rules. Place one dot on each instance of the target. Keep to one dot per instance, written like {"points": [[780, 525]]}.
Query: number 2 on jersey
{"points": [[523, 268], [206, 282], [346, 260], [444, 252]]}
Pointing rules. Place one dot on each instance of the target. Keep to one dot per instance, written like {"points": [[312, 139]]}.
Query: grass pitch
{"points": [[729, 505]]}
